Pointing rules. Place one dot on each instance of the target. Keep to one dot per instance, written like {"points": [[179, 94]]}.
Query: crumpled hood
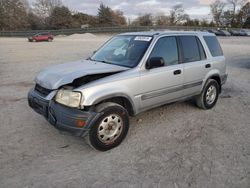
{"points": [[58, 75]]}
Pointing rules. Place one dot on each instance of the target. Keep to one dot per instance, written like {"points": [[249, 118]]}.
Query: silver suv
{"points": [[129, 74]]}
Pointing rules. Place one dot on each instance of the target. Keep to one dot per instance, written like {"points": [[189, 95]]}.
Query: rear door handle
{"points": [[207, 66], [177, 72]]}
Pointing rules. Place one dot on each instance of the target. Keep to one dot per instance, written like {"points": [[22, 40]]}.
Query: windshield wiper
{"points": [[107, 62], [89, 58], [102, 61]]}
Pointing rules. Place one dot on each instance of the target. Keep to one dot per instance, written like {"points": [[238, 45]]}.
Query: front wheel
{"points": [[209, 96], [108, 130]]}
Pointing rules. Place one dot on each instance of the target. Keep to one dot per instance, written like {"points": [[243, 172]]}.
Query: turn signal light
{"points": [[80, 123]]}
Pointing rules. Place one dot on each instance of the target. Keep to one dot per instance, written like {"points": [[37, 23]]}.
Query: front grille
{"points": [[42, 91]]}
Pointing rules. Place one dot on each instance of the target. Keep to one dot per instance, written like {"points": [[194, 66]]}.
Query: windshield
{"points": [[124, 50]]}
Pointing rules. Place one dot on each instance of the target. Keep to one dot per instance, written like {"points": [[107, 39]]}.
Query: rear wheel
{"points": [[109, 130], [209, 96]]}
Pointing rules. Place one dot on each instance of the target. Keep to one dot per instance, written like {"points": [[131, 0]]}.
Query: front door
{"points": [[162, 84]]}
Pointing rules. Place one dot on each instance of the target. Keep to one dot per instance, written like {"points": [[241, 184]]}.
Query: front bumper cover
{"points": [[61, 117]]}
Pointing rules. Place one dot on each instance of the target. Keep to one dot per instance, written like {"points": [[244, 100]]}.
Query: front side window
{"points": [[124, 50], [166, 47], [190, 48]]}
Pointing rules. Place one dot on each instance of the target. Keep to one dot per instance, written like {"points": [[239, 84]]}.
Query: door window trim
{"points": [[201, 48], [178, 50]]}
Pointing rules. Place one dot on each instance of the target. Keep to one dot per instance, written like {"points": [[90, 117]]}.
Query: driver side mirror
{"points": [[155, 62]]}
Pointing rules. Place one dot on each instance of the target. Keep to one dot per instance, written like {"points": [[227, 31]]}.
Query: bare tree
{"points": [[60, 18], [178, 15], [43, 8], [243, 14], [226, 18], [234, 4], [143, 20], [217, 9], [119, 18], [13, 15], [161, 19], [26, 5], [109, 17]]}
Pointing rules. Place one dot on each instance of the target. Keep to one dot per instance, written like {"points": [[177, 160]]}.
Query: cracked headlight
{"points": [[68, 98]]}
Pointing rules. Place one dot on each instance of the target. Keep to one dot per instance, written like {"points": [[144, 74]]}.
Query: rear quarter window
{"points": [[213, 45]]}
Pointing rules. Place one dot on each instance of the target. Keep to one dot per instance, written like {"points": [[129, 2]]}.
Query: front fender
{"points": [[94, 96]]}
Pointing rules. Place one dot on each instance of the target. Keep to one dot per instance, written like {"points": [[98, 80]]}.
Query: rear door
{"points": [[194, 64], [162, 84]]}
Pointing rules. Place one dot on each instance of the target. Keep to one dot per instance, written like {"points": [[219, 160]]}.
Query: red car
{"points": [[41, 37]]}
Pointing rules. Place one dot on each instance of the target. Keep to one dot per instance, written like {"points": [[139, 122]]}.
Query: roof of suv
{"points": [[154, 33]]}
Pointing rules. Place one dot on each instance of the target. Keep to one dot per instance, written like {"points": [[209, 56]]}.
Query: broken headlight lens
{"points": [[68, 98]]}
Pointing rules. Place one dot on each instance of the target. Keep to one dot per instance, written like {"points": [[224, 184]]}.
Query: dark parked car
{"points": [[223, 33], [234, 32], [216, 32], [41, 37]]}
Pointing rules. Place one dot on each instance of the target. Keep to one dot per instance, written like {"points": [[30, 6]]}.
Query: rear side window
{"points": [[213, 45], [192, 49]]}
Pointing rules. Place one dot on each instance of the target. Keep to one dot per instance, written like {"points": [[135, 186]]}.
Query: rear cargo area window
{"points": [[213, 45]]}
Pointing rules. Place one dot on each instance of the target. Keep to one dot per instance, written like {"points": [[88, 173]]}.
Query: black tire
{"points": [[108, 111], [201, 100]]}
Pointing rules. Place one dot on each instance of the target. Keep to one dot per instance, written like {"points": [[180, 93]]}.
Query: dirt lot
{"points": [[174, 146]]}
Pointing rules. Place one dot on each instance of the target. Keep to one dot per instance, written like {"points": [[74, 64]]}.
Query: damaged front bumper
{"points": [[64, 118]]}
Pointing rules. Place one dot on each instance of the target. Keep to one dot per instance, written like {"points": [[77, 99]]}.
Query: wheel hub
{"points": [[110, 128], [211, 94]]}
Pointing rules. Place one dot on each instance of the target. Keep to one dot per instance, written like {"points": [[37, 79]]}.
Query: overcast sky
{"points": [[132, 8]]}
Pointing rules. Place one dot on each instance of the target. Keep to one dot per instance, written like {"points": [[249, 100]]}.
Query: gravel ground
{"points": [[174, 146]]}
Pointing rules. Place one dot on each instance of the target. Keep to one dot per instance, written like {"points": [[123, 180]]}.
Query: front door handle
{"points": [[177, 72], [207, 66]]}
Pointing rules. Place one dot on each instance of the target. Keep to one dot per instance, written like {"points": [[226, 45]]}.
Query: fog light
{"points": [[80, 123]]}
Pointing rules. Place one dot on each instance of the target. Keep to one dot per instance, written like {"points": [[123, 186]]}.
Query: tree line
{"points": [[232, 13], [52, 14]]}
